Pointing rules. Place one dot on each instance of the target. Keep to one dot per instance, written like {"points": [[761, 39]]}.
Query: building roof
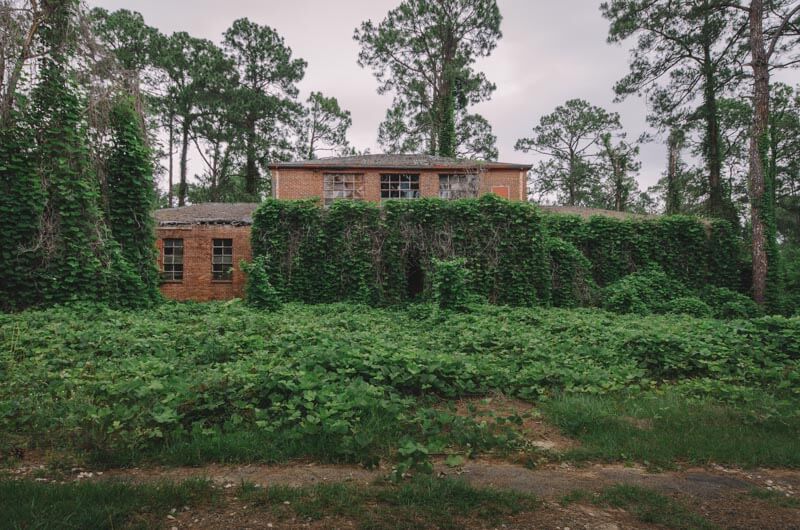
{"points": [[386, 161], [237, 213], [586, 213]]}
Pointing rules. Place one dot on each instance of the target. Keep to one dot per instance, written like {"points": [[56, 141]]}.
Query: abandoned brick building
{"points": [[200, 246]]}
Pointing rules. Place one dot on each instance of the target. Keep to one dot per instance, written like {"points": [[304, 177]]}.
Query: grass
{"points": [[775, 498], [421, 502], [646, 505], [664, 428], [34, 505]]}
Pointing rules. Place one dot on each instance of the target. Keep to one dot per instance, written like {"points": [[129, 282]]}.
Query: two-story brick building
{"points": [[380, 177], [200, 246]]}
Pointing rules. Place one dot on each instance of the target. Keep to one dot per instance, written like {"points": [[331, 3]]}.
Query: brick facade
{"points": [[197, 283], [304, 183]]}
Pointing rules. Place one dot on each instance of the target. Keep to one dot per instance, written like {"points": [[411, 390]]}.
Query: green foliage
{"points": [[259, 292], [730, 304], [104, 505], [643, 427], [131, 198], [687, 305], [685, 248], [571, 284], [424, 52], [186, 383], [571, 137], [22, 202], [642, 293], [60, 244], [358, 251], [450, 283]]}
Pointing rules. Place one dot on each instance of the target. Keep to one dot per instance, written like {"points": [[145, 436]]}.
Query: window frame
{"points": [[169, 260], [399, 179], [355, 181], [466, 193], [218, 259]]}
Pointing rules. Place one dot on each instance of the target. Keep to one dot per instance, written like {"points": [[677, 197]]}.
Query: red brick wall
{"points": [[197, 283], [306, 183]]}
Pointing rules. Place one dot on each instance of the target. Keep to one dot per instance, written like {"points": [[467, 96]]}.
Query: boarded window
{"points": [[348, 186], [222, 259], [172, 261], [458, 186], [501, 191], [399, 186]]}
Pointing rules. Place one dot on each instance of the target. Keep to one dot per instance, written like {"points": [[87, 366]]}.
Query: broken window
{"points": [[172, 260], [458, 186], [349, 186], [399, 186], [222, 259]]}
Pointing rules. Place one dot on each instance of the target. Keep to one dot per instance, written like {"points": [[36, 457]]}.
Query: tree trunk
{"points": [[673, 205], [716, 204], [170, 193], [183, 187], [758, 146], [251, 170]]}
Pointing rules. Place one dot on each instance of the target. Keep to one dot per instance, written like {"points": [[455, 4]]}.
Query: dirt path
{"points": [[720, 494]]}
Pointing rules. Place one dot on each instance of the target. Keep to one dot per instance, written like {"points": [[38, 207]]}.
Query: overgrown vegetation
{"points": [[189, 383], [510, 253], [104, 505]]}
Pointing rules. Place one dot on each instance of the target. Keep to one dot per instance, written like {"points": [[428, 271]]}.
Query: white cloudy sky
{"points": [[551, 51]]}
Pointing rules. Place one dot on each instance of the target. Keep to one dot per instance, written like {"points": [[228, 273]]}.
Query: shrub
{"points": [[687, 305], [571, 282], [642, 292], [450, 283], [259, 292], [729, 304]]}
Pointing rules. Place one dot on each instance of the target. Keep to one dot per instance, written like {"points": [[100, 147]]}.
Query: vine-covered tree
{"points": [[131, 194], [571, 138], [323, 127], [686, 56], [618, 164], [78, 258], [424, 53]]}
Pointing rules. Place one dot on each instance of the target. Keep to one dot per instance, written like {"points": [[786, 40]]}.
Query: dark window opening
{"points": [[415, 276], [172, 261], [399, 186], [222, 260]]}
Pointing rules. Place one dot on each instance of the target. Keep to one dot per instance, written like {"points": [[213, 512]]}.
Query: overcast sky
{"points": [[551, 51]]}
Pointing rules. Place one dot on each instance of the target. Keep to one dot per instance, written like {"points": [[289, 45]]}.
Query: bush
{"points": [[687, 305], [642, 293], [259, 292], [571, 283], [729, 304], [450, 283]]}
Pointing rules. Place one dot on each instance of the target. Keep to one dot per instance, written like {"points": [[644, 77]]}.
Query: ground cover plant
{"points": [[192, 383]]}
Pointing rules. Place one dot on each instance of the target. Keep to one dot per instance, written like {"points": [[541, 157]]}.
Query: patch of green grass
{"points": [[663, 428], [646, 505], [775, 498], [423, 501], [34, 505]]}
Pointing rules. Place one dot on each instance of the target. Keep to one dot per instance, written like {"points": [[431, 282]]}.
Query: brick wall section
{"points": [[197, 283], [306, 183]]}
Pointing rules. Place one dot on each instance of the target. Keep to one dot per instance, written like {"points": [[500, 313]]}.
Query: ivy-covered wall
{"points": [[385, 255], [692, 251]]}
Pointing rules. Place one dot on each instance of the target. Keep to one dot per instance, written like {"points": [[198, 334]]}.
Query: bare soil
{"points": [[722, 495]]}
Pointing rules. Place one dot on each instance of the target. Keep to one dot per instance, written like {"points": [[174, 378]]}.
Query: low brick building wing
{"points": [[200, 247], [380, 177]]}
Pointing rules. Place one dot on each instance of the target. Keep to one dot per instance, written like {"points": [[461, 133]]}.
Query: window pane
{"points": [[172, 259], [400, 186], [222, 259], [346, 186]]}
